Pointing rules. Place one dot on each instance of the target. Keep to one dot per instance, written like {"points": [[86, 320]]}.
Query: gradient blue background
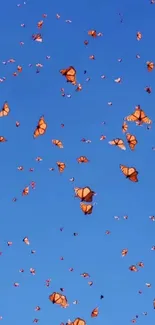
{"points": [[52, 205]]}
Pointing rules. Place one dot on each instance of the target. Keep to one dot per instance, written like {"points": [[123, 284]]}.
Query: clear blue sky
{"points": [[52, 205]]}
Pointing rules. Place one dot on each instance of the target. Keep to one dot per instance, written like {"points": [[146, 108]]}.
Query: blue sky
{"points": [[51, 205]]}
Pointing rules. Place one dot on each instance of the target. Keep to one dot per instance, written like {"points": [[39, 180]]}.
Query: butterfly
{"points": [[41, 127], [130, 172], [70, 74], [132, 141]]}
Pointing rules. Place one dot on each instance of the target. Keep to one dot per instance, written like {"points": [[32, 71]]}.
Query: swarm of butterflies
{"points": [[84, 195]]}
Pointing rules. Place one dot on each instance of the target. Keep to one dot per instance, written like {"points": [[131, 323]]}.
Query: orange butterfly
{"points": [[5, 110], [138, 116], [40, 24], [133, 268], [86, 209], [70, 74], [2, 139], [85, 193], [140, 264], [85, 275], [57, 143], [37, 38], [58, 299], [92, 57], [118, 142], [139, 36], [130, 172], [25, 191], [41, 128], [132, 141], [61, 166], [150, 66], [77, 321], [148, 90], [26, 241], [38, 159], [124, 127], [95, 312], [103, 137], [17, 124], [86, 42], [82, 159], [92, 33], [19, 68], [124, 252], [20, 168]]}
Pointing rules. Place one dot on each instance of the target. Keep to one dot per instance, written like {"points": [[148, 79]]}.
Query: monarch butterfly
{"points": [[148, 285], [57, 143], [92, 33], [61, 166], [139, 36], [150, 66], [86, 141], [118, 80], [82, 159], [58, 299], [133, 268], [92, 57], [70, 74], [86, 42], [41, 127], [130, 172], [124, 252], [25, 191], [78, 321], [124, 127], [5, 110], [40, 24], [95, 312], [132, 141], [26, 241], [140, 264], [85, 275], [148, 90], [9, 243], [86, 209], [118, 142], [20, 168], [37, 38], [2, 139], [85, 193], [79, 87], [38, 159], [19, 68], [103, 137], [138, 116], [32, 271]]}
